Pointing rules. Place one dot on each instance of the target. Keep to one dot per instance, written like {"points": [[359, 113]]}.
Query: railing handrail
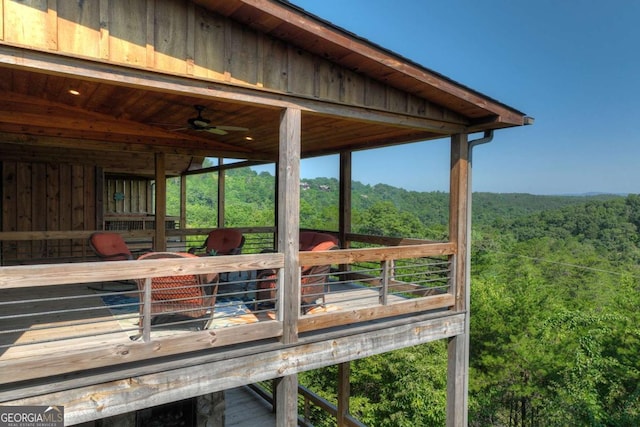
{"points": [[86, 272]]}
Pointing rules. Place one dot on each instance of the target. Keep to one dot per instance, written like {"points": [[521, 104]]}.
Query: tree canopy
{"points": [[554, 301]]}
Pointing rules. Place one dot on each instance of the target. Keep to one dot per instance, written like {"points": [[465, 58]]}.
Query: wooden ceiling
{"points": [[37, 109]]}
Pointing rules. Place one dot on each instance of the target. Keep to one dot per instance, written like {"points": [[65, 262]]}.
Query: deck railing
{"points": [[70, 317]]}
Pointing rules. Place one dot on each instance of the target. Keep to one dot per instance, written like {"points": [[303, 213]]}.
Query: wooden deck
{"points": [[76, 316], [245, 408]]}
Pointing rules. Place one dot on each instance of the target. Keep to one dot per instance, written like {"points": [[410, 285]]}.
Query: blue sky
{"points": [[572, 65]]}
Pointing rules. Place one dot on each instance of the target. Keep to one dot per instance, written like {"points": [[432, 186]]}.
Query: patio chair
{"points": [[109, 246], [221, 241], [190, 295], [309, 239], [314, 279]]}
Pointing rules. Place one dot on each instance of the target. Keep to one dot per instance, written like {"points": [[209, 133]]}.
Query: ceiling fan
{"points": [[199, 123]]}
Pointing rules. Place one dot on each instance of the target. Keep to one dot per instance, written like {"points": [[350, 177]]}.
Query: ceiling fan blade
{"points": [[233, 128], [216, 130]]}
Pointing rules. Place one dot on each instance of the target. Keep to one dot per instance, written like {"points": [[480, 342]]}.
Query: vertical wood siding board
{"points": [[133, 196], [99, 192], [24, 184], [39, 207], [289, 68], [242, 54], [301, 72], [53, 205], [138, 197], [26, 24], [191, 40], [77, 203], [9, 196], [260, 59], [128, 32], [228, 46], [8, 176], [2, 21], [275, 64], [149, 202], [170, 36], [90, 199], [65, 206], [151, 33], [316, 77], [79, 28], [105, 195], [126, 188], [143, 197], [209, 49], [89, 207], [52, 24], [119, 201], [104, 38]]}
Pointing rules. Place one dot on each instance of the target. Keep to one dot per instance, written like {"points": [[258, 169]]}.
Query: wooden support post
{"points": [[344, 213], [221, 185], [183, 202], [459, 233], [160, 239], [344, 391], [288, 237]]}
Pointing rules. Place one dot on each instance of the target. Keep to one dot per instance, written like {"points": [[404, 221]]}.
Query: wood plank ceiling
{"points": [[38, 111]]}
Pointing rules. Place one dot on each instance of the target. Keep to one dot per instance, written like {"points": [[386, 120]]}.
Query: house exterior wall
{"points": [[46, 197], [183, 39]]}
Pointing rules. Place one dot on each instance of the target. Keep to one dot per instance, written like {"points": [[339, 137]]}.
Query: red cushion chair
{"points": [[222, 241], [310, 239], [189, 295], [314, 279], [109, 246]]}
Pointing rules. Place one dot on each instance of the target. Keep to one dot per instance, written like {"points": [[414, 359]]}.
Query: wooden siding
{"points": [[46, 197], [181, 38], [127, 196]]}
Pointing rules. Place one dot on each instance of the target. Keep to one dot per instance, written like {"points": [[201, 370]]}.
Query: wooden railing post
{"points": [[459, 233], [145, 322], [384, 282], [344, 391]]}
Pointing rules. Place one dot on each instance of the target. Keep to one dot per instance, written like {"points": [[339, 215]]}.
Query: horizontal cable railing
{"points": [[109, 313], [102, 309]]}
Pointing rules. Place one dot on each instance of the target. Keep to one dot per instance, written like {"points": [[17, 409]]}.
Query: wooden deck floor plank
{"points": [[244, 408]]}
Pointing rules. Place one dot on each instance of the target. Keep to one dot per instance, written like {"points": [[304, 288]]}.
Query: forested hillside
{"points": [[555, 339]]}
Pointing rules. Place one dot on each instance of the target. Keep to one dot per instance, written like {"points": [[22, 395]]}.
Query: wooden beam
{"points": [[221, 191], [289, 219], [288, 238], [459, 233], [197, 376], [160, 239], [344, 213]]}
